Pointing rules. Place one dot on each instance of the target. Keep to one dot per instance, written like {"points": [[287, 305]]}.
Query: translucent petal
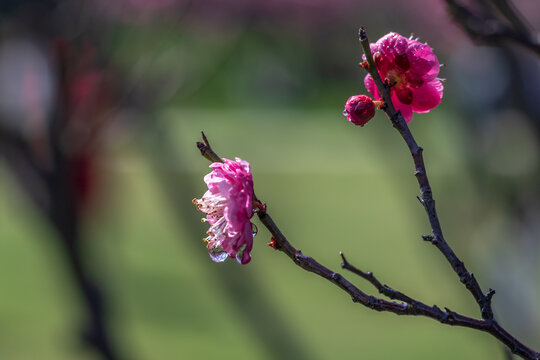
{"points": [[242, 256], [406, 110], [371, 87], [427, 96]]}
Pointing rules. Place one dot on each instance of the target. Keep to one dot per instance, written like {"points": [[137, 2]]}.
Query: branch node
{"points": [[362, 35], [206, 149], [427, 194], [344, 263], [485, 305], [449, 317], [395, 118], [372, 301], [297, 255], [429, 238], [258, 207], [205, 139], [273, 243], [438, 309], [385, 289], [464, 276], [489, 294]]}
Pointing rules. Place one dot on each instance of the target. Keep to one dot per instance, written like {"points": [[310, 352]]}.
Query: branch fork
{"points": [[400, 303]]}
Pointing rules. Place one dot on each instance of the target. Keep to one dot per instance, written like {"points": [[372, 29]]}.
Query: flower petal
{"points": [[236, 213], [427, 96], [228, 205], [404, 94], [406, 110], [371, 87], [423, 61]]}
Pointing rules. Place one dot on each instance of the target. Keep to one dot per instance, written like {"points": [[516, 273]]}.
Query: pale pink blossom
{"points": [[228, 205], [412, 68], [359, 109]]}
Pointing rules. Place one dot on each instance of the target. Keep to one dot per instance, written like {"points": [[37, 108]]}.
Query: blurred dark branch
{"points": [[408, 306], [65, 215], [51, 192], [491, 28], [51, 185], [508, 10]]}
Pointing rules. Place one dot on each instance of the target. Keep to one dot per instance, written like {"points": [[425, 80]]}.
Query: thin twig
{"points": [[509, 11], [383, 289], [206, 149], [407, 306]]}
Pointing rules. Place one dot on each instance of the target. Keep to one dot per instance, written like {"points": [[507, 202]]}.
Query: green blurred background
{"points": [[267, 82]]}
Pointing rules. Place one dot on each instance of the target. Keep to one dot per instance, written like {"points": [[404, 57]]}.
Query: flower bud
{"points": [[359, 109]]}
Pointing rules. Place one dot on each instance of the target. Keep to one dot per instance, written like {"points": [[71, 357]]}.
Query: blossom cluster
{"points": [[407, 66], [410, 68]]}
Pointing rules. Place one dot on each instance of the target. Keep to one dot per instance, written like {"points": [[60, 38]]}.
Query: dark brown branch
{"points": [[408, 306], [426, 196], [426, 199], [509, 11]]}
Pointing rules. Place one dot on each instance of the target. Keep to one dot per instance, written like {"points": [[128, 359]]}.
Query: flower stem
{"points": [[426, 199]]}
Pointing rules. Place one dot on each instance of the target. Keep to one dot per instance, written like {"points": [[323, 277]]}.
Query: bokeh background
{"points": [[101, 256]]}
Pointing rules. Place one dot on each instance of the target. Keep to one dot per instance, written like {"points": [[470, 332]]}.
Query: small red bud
{"points": [[272, 243], [259, 207], [359, 109]]}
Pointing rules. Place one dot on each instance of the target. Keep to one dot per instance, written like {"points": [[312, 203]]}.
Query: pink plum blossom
{"points": [[228, 205], [412, 68], [359, 109]]}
